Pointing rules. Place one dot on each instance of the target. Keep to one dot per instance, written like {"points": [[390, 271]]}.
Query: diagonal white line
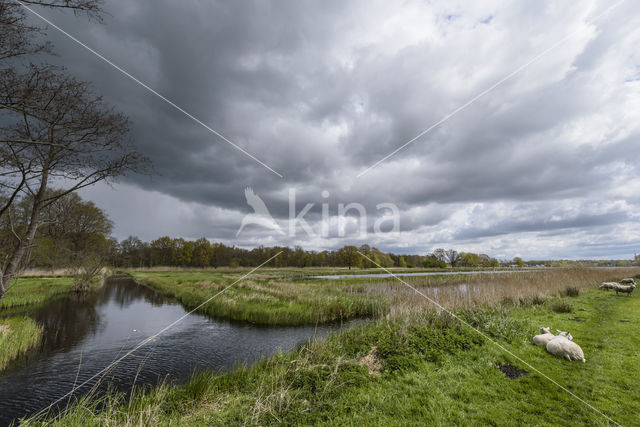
{"points": [[159, 95], [485, 336], [148, 339], [486, 91]]}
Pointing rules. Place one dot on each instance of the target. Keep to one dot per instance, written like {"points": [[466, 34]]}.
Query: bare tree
{"points": [[453, 257], [18, 38], [55, 131]]}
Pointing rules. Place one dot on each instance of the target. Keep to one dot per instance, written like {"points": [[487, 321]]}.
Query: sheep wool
{"points": [[544, 337], [562, 347]]}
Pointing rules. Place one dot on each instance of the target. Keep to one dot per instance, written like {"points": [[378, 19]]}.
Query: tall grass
{"points": [[17, 335], [263, 299], [32, 290], [521, 288]]}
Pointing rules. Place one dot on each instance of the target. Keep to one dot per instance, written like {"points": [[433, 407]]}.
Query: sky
{"points": [[531, 112]]}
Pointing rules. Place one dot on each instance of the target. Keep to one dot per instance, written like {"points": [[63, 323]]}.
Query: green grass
{"points": [[274, 298], [432, 371], [17, 335], [35, 290]]}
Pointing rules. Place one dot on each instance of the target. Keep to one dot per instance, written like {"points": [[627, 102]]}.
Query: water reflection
{"points": [[84, 333]]}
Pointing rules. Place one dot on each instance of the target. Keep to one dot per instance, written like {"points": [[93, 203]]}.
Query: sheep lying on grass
{"points": [[562, 346], [546, 336]]}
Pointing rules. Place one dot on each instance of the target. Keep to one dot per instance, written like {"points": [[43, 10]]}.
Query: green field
{"points": [[419, 368]]}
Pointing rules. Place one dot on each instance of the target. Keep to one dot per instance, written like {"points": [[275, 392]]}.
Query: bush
{"points": [[571, 291], [433, 263], [537, 300], [561, 306]]}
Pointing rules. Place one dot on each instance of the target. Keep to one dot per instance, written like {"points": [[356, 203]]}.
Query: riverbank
{"points": [[419, 368], [35, 290], [291, 297], [17, 335]]}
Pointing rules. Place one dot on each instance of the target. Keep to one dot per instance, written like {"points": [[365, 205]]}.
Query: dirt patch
{"points": [[372, 362], [511, 371], [575, 319], [4, 330], [625, 321]]}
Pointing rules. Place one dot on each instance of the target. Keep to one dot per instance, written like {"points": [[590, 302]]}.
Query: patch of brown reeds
{"points": [[517, 288]]}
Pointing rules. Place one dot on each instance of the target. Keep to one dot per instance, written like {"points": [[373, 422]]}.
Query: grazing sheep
{"points": [[625, 289], [561, 346], [609, 285], [629, 281], [544, 337]]}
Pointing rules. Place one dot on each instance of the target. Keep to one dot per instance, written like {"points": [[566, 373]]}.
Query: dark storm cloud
{"points": [[319, 91]]}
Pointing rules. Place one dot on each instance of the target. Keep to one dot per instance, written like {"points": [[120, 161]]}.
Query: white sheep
{"points": [[609, 285], [544, 337], [561, 346], [630, 281], [625, 289]]}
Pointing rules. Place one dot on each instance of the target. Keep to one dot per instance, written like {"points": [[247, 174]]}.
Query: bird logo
{"points": [[260, 215]]}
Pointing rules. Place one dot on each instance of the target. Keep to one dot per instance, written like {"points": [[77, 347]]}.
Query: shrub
{"points": [[561, 306], [571, 291], [537, 300]]}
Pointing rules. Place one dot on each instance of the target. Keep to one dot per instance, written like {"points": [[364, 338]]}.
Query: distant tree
{"points": [[162, 250], [350, 257], [452, 257], [469, 259], [518, 261], [201, 253], [440, 254]]}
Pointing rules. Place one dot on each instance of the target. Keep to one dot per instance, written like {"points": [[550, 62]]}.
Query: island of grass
{"points": [[420, 367], [19, 333]]}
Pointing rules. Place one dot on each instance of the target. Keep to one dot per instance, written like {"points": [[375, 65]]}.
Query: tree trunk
{"points": [[18, 255]]}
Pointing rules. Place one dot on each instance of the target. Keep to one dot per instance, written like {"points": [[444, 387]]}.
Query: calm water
{"points": [[84, 334], [431, 273]]}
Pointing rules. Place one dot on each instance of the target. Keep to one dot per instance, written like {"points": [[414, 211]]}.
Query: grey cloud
{"points": [[321, 90]]}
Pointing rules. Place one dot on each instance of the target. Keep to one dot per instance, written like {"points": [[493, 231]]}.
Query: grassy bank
{"points": [[35, 290], [290, 297], [17, 335], [419, 368], [273, 298]]}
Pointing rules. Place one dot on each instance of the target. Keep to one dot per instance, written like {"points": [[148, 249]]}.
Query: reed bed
{"points": [[467, 291]]}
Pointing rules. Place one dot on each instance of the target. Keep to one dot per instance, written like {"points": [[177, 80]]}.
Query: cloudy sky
{"points": [[537, 155]]}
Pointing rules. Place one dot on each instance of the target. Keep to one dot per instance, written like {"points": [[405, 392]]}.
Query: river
{"points": [[84, 334]]}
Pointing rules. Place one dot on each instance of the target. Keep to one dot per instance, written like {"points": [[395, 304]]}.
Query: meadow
{"points": [[421, 367]]}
